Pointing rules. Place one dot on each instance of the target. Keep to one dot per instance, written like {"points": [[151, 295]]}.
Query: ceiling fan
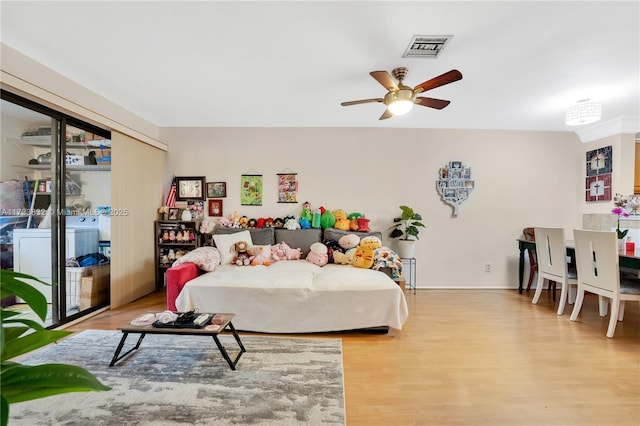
{"points": [[400, 98]]}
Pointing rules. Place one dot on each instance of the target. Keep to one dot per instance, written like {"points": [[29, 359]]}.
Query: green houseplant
{"points": [[18, 336], [406, 229]]}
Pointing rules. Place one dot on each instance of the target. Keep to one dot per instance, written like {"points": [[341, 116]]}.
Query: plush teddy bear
{"points": [[207, 226], [318, 254], [241, 257], [259, 256], [363, 256], [342, 222]]}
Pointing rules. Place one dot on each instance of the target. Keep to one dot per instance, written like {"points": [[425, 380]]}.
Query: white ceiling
{"points": [[290, 64]]}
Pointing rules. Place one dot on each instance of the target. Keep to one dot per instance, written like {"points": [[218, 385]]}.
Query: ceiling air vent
{"points": [[422, 46]]}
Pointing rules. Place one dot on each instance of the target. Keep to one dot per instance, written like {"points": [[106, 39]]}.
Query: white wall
{"points": [[522, 179]]}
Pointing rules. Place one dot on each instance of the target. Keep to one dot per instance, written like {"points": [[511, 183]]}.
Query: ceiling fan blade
{"points": [[362, 101], [385, 79], [386, 114], [432, 103], [441, 80]]}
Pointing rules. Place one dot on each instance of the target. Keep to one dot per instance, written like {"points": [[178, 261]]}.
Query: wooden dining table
{"points": [[627, 259]]}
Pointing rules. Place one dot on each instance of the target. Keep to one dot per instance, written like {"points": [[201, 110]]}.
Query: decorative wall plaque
{"points": [[454, 184], [598, 180]]}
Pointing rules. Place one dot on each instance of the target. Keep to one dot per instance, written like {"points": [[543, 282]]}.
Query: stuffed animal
{"points": [[291, 224], [327, 220], [304, 223], [252, 223], [278, 222], [318, 254], [244, 222], [207, 226], [332, 247], [268, 222], [363, 257], [341, 258], [306, 212], [259, 256], [353, 220], [277, 252], [291, 253], [342, 222], [384, 257], [241, 257], [315, 222], [349, 241], [261, 222], [363, 224]]}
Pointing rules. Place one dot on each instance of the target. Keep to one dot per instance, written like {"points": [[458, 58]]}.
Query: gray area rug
{"points": [[183, 380]]}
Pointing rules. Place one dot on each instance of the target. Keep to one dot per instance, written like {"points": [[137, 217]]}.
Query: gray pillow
{"points": [[298, 238], [259, 236]]}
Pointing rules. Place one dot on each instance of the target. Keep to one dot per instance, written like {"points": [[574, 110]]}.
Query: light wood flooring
{"points": [[480, 357]]}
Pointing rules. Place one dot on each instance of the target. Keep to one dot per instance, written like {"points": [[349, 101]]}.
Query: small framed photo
{"points": [[173, 213], [215, 207], [190, 188], [216, 189]]}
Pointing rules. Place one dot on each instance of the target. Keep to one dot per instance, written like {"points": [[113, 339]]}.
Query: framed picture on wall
{"points": [[216, 189], [190, 188], [215, 208]]}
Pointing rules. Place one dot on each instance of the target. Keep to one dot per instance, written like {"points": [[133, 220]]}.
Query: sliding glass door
{"points": [[55, 186]]}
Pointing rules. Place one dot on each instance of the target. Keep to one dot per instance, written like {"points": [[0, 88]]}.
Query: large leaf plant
{"points": [[18, 336], [406, 226]]}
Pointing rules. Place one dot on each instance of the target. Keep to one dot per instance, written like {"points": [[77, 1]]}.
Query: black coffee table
{"points": [[143, 330]]}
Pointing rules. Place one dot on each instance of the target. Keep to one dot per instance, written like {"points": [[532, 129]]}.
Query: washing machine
{"points": [[32, 255]]}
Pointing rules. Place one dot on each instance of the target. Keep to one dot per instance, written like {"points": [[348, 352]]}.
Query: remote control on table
{"points": [[202, 319]]}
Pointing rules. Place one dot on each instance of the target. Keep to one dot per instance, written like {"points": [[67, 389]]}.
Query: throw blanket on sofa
{"points": [[297, 296]]}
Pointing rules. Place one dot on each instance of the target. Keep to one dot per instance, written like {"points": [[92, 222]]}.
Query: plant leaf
{"points": [[12, 284], [18, 346], [27, 382]]}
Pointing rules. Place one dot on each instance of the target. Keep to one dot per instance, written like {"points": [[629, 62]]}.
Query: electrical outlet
{"points": [[487, 267]]}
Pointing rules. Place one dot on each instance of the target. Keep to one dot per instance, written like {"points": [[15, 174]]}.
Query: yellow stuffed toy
{"points": [[342, 222], [364, 255]]}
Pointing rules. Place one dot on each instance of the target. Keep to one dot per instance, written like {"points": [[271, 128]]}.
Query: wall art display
{"points": [[196, 208], [216, 189], [600, 161], [598, 188], [190, 188], [215, 207], [251, 190], [454, 184], [287, 187], [599, 165]]}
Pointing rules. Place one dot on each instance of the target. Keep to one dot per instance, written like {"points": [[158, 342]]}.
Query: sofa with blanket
{"points": [[287, 296]]}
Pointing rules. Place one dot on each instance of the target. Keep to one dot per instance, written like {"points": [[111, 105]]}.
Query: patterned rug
{"points": [[183, 380]]}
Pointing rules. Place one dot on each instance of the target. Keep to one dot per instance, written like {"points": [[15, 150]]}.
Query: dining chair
{"points": [[551, 253], [599, 273], [530, 235]]}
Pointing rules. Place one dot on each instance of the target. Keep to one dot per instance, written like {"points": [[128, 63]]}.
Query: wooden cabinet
{"points": [[174, 239]]}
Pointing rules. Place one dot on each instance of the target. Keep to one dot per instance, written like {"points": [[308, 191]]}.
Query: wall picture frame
{"points": [[190, 188], [216, 189], [215, 208]]}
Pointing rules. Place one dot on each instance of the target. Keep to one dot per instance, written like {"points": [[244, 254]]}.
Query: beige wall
{"points": [[522, 179]]}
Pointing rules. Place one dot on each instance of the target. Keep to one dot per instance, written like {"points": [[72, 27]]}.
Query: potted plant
{"points": [[405, 229], [19, 336]]}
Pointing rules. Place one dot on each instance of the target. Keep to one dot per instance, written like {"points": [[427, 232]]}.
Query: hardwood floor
{"points": [[480, 357]]}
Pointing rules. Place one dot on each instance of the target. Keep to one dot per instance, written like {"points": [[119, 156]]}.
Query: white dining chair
{"points": [[599, 273], [552, 264]]}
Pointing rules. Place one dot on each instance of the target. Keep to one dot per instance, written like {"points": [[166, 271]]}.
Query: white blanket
{"points": [[296, 296]]}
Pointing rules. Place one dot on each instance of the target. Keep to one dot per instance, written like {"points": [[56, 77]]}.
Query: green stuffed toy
{"points": [[327, 220]]}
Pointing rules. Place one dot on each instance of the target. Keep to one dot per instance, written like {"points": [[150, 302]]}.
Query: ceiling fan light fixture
{"points": [[584, 112], [400, 107], [401, 101]]}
